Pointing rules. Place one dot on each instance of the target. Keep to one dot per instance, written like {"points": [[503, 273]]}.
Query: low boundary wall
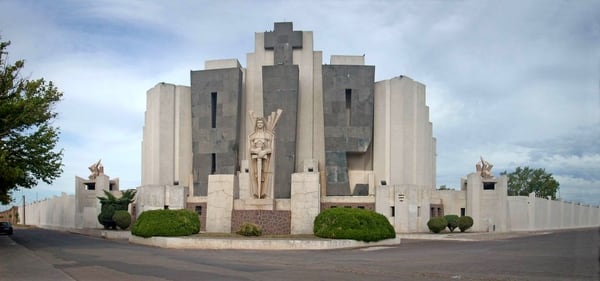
{"points": [[58, 211], [531, 213]]}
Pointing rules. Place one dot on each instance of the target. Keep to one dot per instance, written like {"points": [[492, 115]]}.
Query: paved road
{"points": [[569, 255]]}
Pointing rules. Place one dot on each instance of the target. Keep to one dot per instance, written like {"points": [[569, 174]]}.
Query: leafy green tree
{"points": [[27, 138], [523, 181]]}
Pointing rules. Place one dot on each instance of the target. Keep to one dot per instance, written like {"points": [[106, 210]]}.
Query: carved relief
{"points": [[96, 169], [261, 147], [484, 168]]}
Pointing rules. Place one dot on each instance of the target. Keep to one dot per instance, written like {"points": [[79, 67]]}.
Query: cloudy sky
{"points": [[517, 82]]}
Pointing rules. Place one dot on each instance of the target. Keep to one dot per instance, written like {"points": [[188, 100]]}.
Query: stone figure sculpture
{"points": [[484, 168], [96, 169], [261, 147]]}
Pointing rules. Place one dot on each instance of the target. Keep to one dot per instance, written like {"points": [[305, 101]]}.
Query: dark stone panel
{"points": [[280, 91], [223, 140], [282, 41], [361, 189], [272, 222], [348, 97]]}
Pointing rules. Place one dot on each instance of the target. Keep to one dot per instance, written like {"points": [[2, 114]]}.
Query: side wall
{"points": [[531, 213], [404, 147], [167, 143], [58, 211]]}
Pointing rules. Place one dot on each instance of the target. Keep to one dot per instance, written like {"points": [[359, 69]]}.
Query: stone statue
{"points": [[96, 169], [260, 148], [484, 168]]}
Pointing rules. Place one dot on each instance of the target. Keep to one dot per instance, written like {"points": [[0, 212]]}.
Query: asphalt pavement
{"points": [[554, 255], [19, 263]]}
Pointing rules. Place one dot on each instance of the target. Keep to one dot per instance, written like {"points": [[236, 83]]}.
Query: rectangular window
{"points": [[333, 207], [463, 212], [393, 211], [489, 185], [348, 207], [361, 207], [348, 106], [199, 210], [213, 163], [213, 109], [418, 211]]}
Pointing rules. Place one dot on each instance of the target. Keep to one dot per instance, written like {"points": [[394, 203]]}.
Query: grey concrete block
{"points": [[280, 91], [215, 123]]}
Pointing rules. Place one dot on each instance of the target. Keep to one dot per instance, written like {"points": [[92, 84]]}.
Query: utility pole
{"points": [[24, 209]]}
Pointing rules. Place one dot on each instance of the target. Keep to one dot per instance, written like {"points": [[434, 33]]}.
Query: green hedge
{"points": [[465, 223], [437, 224], [452, 222], [166, 223], [122, 218], [356, 224]]}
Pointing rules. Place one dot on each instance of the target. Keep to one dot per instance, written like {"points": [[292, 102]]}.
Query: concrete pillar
{"points": [[219, 203], [474, 188], [305, 202]]}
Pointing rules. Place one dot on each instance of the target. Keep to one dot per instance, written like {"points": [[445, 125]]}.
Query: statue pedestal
{"points": [[255, 204]]}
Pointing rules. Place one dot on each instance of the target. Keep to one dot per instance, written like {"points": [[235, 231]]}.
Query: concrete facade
{"points": [[343, 140]]}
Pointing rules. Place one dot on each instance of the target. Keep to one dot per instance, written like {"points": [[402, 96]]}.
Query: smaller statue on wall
{"points": [[484, 168], [96, 169], [261, 143]]}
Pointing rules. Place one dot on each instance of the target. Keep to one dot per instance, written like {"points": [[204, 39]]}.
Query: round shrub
{"points": [[452, 222], [356, 224], [122, 218], [437, 224], [465, 223], [166, 223], [250, 229]]}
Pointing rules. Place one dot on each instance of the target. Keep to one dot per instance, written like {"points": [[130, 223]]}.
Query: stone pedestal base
{"points": [[254, 204], [272, 222]]}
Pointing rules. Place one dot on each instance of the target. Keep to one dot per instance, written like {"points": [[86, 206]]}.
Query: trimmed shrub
{"points": [[437, 224], [110, 204], [105, 217], [465, 223], [166, 223], [250, 229], [452, 222], [122, 218], [356, 224]]}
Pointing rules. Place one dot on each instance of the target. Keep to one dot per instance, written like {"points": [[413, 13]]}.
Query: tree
{"points": [[526, 180], [27, 137]]}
